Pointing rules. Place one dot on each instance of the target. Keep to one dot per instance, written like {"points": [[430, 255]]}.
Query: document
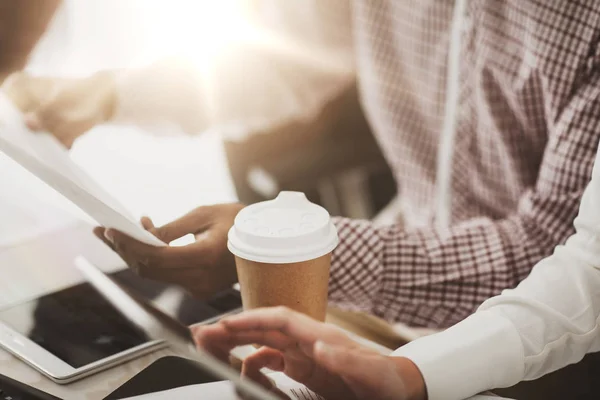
{"points": [[25, 217], [224, 390], [43, 156]]}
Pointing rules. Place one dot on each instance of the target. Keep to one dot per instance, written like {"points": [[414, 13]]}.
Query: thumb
{"points": [[193, 222], [33, 121], [264, 358], [147, 224]]}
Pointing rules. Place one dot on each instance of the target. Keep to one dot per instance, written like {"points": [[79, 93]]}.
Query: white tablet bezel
{"points": [[55, 368]]}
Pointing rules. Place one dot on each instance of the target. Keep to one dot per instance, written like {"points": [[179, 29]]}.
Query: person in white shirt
{"points": [[550, 320]]}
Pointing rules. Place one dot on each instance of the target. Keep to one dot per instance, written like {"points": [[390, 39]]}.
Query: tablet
{"points": [[75, 332], [160, 326]]}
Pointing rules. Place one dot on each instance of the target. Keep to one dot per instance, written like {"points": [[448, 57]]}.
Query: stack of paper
{"points": [[43, 156]]}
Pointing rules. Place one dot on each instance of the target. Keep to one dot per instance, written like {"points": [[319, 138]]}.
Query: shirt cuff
{"points": [[480, 353]]}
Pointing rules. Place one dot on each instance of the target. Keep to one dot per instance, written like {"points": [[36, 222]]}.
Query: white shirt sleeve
{"points": [[287, 65], [547, 322]]}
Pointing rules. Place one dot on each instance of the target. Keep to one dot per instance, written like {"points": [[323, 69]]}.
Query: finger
{"points": [[162, 262], [192, 222], [331, 387], [297, 326], [50, 117], [274, 339], [67, 141], [33, 122], [214, 339], [146, 260], [218, 337], [264, 358], [43, 88], [20, 88], [147, 223], [273, 390], [42, 121], [170, 264], [100, 234], [65, 132], [123, 242], [198, 255]]}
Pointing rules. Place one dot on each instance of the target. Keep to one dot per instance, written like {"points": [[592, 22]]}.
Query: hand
{"points": [[316, 354], [203, 268], [67, 108]]}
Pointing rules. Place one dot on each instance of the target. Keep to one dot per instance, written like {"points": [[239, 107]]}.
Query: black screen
{"points": [[78, 326]]}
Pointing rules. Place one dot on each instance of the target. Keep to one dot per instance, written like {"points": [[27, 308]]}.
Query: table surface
{"points": [[28, 270]]}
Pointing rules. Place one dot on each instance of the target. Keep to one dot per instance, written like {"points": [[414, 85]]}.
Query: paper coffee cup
{"points": [[282, 249]]}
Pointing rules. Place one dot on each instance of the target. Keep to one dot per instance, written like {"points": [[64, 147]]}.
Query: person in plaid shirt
{"points": [[487, 111]]}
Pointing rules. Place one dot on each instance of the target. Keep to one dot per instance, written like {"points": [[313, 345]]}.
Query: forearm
{"points": [[435, 278], [165, 95], [269, 73], [429, 277], [22, 23], [245, 88]]}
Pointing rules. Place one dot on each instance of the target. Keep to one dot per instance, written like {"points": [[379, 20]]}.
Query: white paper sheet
{"points": [[25, 218], [45, 158], [225, 391]]}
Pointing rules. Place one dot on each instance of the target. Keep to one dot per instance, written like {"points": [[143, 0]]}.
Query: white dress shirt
{"points": [[549, 321]]}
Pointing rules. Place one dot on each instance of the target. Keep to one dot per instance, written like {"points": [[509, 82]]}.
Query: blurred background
{"points": [[329, 156]]}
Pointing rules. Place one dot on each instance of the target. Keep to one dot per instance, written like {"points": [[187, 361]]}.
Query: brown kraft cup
{"points": [[282, 252]]}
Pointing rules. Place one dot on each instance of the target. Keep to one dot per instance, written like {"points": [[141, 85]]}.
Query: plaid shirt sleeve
{"points": [[435, 278]]}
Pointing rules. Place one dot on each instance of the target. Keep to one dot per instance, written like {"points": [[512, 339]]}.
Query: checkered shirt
{"points": [[527, 134]]}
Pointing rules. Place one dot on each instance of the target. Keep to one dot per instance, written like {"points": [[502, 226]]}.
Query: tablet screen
{"points": [[78, 326]]}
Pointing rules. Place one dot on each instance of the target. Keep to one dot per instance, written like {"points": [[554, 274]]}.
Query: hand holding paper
{"points": [[66, 108], [204, 267], [43, 156]]}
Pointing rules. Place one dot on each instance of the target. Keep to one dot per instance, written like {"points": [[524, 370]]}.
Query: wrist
{"points": [[412, 378]]}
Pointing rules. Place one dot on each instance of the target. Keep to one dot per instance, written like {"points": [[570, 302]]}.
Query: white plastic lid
{"points": [[287, 229]]}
